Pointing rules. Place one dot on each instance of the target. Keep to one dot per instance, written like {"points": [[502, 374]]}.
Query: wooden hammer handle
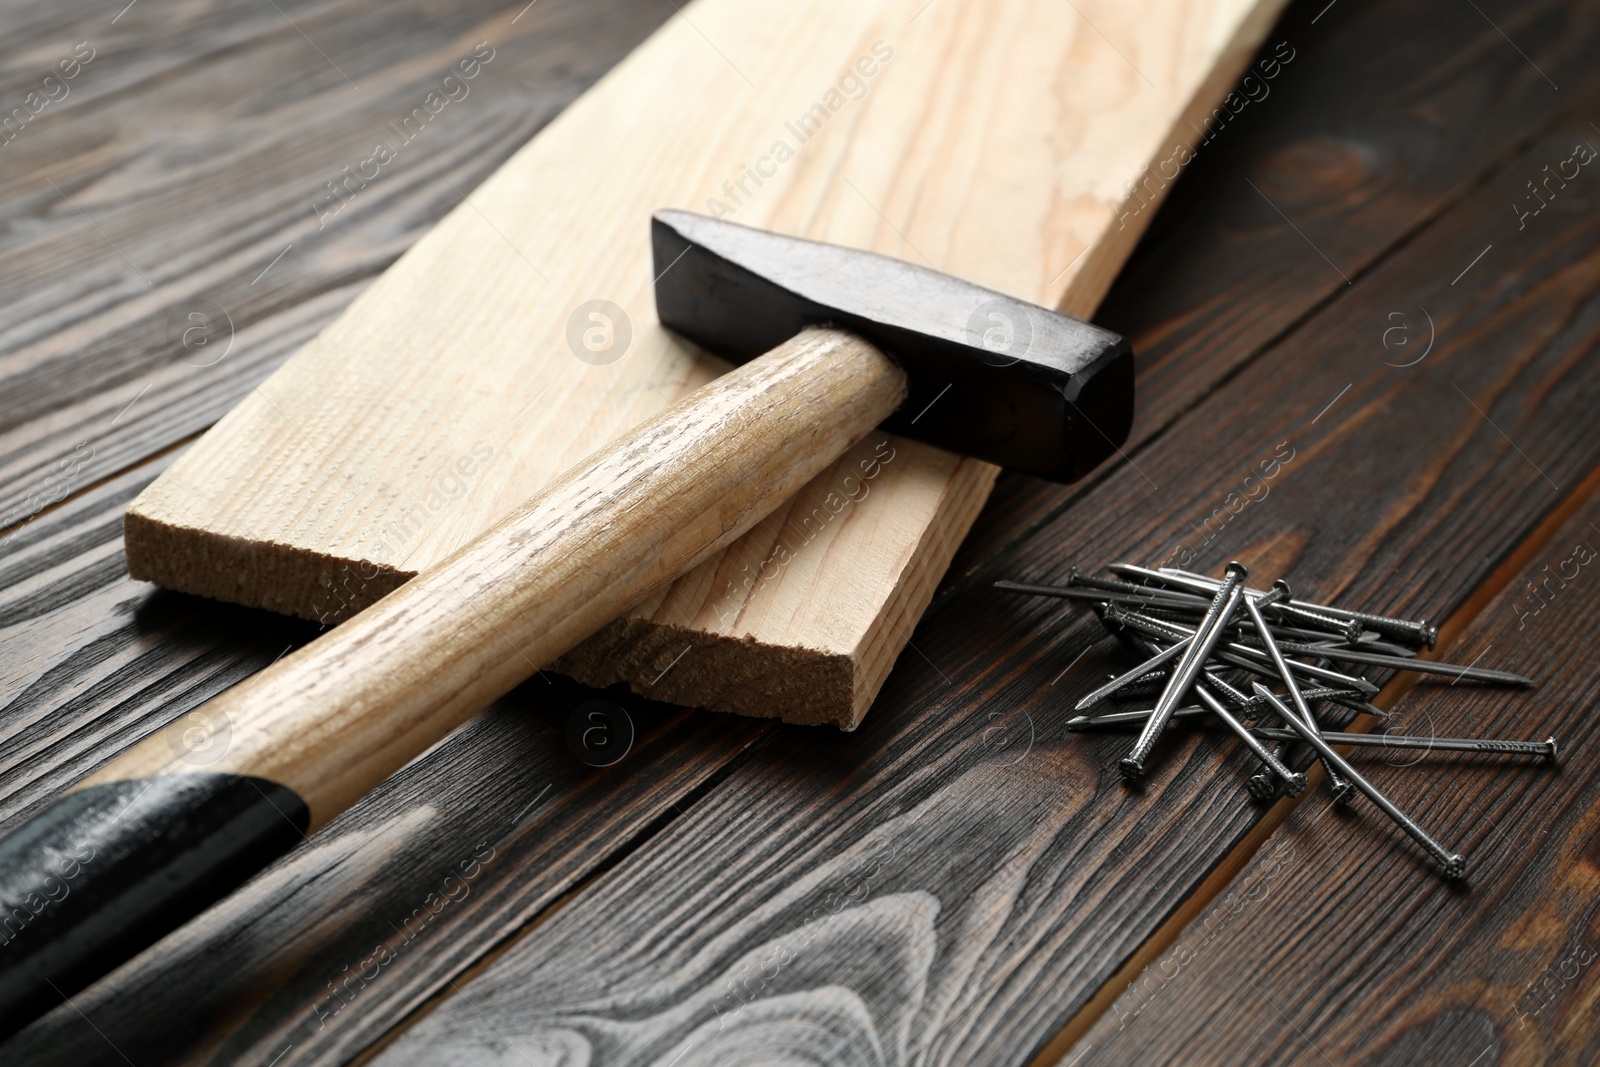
{"points": [[338, 716], [171, 825]]}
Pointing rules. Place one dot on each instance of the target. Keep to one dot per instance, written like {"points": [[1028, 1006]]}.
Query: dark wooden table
{"points": [[1345, 276]]}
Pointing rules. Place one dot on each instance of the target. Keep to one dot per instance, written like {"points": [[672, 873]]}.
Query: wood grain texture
{"points": [[333, 719], [999, 143], [955, 881], [194, 145], [1406, 968]]}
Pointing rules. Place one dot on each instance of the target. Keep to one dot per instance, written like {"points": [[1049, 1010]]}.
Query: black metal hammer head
{"points": [[990, 376]]}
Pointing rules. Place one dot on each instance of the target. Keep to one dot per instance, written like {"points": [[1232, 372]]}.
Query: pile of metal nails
{"points": [[1206, 638]]}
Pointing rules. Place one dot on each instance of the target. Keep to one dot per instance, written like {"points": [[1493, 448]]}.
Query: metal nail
{"points": [[1301, 622], [1547, 750], [1331, 693], [1340, 787], [1132, 676], [1129, 718], [1206, 635], [1370, 642], [1276, 596], [1455, 864], [1313, 618], [1240, 655], [1349, 700], [1068, 592], [1150, 689], [1413, 631], [1156, 679], [1131, 589], [1307, 621], [1172, 613], [1256, 662], [1399, 663], [1262, 783], [1294, 783], [1419, 633], [1243, 701], [1185, 607], [1208, 672], [1344, 697]]}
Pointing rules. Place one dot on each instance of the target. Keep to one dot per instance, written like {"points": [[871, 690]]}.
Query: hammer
{"points": [[831, 342]]}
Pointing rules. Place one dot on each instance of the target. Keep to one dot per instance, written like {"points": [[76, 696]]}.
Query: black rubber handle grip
{"points": [[108, 870]]}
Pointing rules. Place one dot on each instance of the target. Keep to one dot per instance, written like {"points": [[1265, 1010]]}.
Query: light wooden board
{"points": [[1000, 142]]}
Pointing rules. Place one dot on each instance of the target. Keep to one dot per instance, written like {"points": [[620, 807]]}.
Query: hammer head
{"points": [[990, 376]]}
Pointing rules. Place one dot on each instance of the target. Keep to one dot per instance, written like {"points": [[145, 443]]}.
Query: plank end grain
{"points": [[1003, 145], [256, 574], [692, 643]]}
